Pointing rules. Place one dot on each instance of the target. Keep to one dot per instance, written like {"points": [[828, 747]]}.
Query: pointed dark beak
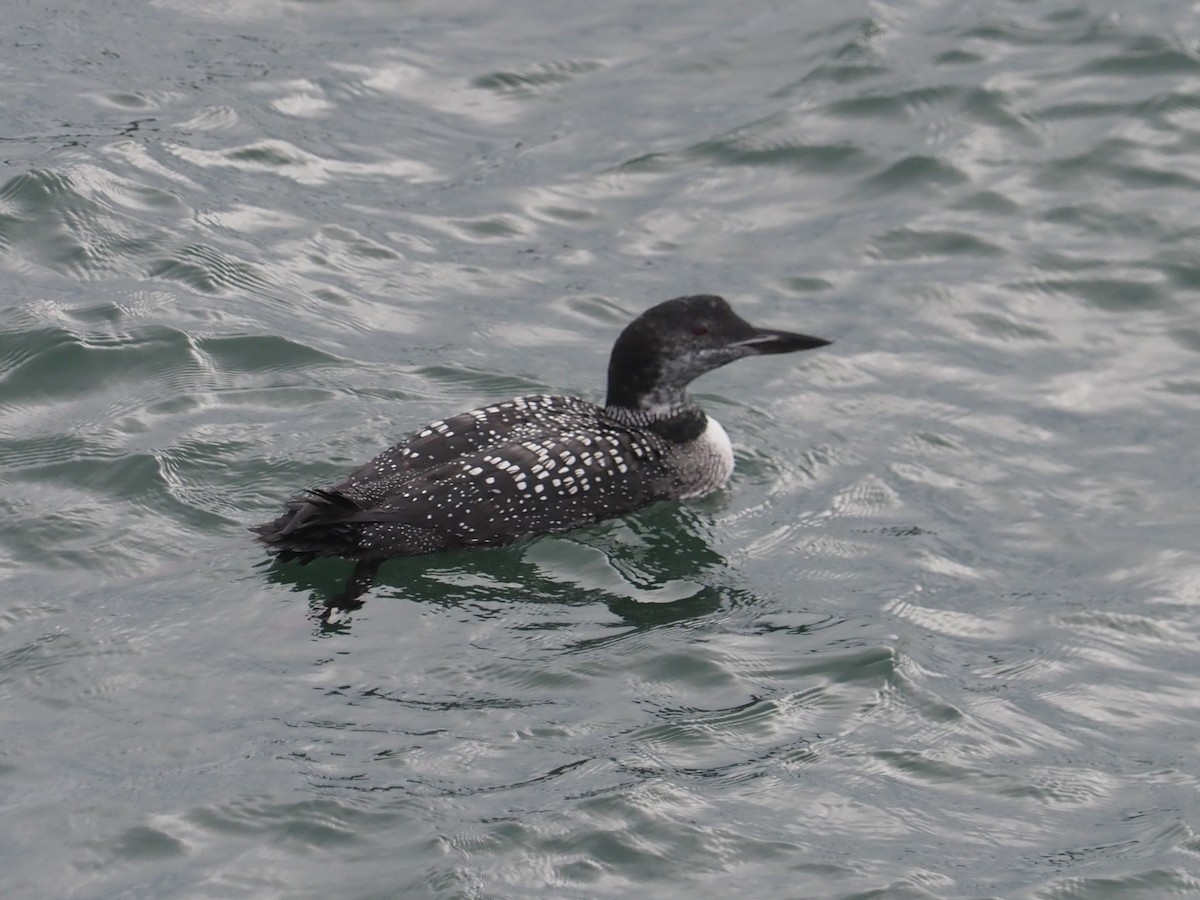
{"points": [[766, 341]]}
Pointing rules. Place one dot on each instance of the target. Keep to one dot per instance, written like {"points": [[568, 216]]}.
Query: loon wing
{"points": [[495, 496], [438, 443], [485, 478], [459, 436]]}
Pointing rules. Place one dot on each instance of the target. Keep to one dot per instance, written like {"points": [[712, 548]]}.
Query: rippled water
{"points": [[938, 637]]}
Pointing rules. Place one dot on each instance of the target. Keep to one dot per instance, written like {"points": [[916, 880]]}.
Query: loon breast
{"points": [[707, 461]]}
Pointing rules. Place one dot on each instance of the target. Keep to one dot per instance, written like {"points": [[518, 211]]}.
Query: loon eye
{"points": [[699, 330]]}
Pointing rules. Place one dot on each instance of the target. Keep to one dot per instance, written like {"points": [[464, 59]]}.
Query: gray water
{"points": [[936, 639]]}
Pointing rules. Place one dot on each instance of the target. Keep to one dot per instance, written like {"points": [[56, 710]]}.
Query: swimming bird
{"points": [[540, 463]]}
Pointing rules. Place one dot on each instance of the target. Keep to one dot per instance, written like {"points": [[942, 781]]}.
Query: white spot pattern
{"points": [[532, 465]]}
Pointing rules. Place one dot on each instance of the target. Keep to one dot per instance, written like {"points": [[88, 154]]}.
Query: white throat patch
{"points": [[711, 457]]}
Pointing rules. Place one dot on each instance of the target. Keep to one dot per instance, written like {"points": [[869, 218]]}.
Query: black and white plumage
{"points": [[541, 463]]}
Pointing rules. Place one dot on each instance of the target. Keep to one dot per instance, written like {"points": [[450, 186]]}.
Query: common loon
{"points": [[539, 463]]}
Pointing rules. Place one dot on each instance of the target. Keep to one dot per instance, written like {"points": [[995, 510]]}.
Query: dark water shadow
{"points": [[651, 569]]}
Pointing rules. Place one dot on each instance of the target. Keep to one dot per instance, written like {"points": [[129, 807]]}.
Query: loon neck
{"points": [[678, 423], [643, 376], [637, 382]]}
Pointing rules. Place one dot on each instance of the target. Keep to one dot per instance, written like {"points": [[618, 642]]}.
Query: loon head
{"points": [[661, 351]]}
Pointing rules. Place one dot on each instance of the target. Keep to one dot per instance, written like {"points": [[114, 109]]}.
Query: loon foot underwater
{"points": [[540, 463]]}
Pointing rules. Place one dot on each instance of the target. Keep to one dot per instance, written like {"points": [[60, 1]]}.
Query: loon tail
{"points": [[322, 522], [318, 523]]}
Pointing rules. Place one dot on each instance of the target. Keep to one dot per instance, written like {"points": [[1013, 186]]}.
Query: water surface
{"points": [[936, 639]]}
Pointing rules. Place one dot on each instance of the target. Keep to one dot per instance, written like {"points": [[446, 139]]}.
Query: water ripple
{"points": [[934, 640]]}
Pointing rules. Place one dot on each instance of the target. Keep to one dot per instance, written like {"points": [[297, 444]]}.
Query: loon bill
{"points": [[540, 463]]}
